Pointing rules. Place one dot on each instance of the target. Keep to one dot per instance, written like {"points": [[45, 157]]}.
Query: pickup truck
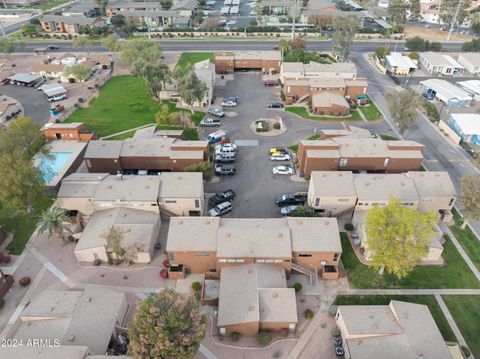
{"points": [[210, 122], [220, 197]]}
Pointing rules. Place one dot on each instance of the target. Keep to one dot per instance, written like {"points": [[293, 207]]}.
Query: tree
{"points": [[155, 76], [146, 50], [303, 211], [181, 119], [470, 198], [189, 86], [166, 4], [83, 42], [25, 134], [298, 43], [79, 72], [253, 22], [398, 11], [320, 21], [398, 237], [166, 325], [415, 10], [382, 52], [434, 46], [111, 43], [29, 30], [414, 55], [475, 22], [102, 4], [471, 46], [416, 44], [118, 20], [163, 116], [7, 46], [403, 108], [448, 9], [210, 24], [54, 221], [205, 167], [344, 29]]}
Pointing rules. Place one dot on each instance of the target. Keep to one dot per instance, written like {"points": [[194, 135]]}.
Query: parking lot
{"points": [[242, 19], [34, 102]]}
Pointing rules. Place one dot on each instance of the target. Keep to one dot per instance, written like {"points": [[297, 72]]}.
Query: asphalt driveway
{"points": [[34, 102]]}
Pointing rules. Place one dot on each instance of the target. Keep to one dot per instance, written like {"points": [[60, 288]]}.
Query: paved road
{"points": [[34, 102]]}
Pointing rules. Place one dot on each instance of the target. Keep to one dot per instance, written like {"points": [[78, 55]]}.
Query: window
{"points": [[317, 202], [343, 162], [335, 257], [197, 203], [171, 256], [222, 261], [201, 255], [304, 255], [385, 162], [170, 201], [360, 203], [451, 202], [343, 200]]}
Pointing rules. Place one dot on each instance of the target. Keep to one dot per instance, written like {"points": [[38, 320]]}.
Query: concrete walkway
{"points": [[203, 349], [126, 131], [409, 292]]}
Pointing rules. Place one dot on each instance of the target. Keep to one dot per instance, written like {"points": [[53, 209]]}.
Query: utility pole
{"points": [[454, 20], [294, 18], [146, 19]]}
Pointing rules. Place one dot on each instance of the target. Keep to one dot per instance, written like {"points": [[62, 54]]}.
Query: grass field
{"points": [[294, 148], [453, 274], [22, 225], [371, 113], [387, 137], [466, 313], [190, 133], [428, 300], [467, 239], [122, 104], [302, 111], [193, 57]]}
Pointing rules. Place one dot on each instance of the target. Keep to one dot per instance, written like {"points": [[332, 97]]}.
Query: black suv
{"points": [[291, 198], [228, 170], [220, 197]]}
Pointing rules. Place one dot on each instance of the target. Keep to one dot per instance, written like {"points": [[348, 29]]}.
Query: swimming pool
{"points": [[50, 167]]}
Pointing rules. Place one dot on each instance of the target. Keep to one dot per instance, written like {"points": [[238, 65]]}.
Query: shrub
{"points": [[163, 274], [414, 55], [298, 287], [24, 281], [71, 80], [466, 351], [284, 332], [97, 262], [431, 110], [196, 286], [276, 126], [197, 296], [308, 314], [348, 227], [235, 336], [264, 338], [277, 354], [205, 167], [335, 331], [332, 310], [274, 72]]}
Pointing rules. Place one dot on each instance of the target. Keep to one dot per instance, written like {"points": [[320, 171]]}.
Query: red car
{"points": [[4, 82]]}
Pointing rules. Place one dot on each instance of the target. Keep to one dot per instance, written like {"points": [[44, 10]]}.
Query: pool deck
{"points": [[76, 148]]}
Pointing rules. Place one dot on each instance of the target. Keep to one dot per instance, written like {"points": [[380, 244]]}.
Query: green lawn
{"points": [[467, 239], [190, 133], [302, 111], [22, 225], [294, 148], [387, 137], [122, 104], [371, 113], [466, 313], [428, 300], [453, 274], [194, 57]]}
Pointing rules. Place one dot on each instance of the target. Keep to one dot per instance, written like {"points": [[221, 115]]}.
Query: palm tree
{"points": [[475, 22], [54, 221]]}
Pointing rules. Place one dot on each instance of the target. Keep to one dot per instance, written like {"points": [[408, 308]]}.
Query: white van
{"points": [[215, 136]]}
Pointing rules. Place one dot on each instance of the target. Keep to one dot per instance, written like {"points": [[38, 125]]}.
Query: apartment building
{"points": [[308, 245], [171, 193], [398, 330], [68, 24], [255, 297], [156, 153], [299, 70], [358, 154], [263, 61], [75, 131]]}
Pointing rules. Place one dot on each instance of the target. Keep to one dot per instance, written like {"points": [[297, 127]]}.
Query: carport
{"points": [[53, 90], [24, 79]]}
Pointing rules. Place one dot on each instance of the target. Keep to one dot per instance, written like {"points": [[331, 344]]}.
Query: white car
{"points": [[229, 103], [227, 147], [253, 13], [283, 170], [231, 23], [280, 157]]}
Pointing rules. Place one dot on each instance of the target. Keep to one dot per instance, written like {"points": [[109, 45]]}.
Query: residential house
{"points": [[71, 318], [467, 126], [448, 93], [277, 7], [472, 87], [399, 64], [156, 154], [139, 234], [74, 131], [255, 297], [436, 63], [470, 61], [399, 330], [298, 70], [358, 154], [171, 193], [68, 24], [308, 245], [266, 62], [48, 71]]}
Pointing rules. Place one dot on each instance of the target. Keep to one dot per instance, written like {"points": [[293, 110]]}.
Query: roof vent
{"points": [[327, 223], [109, 186], [250, 271], [279, 235], [179, 178], [71, 338], [228, 235], [367, 183], [88, 299], [180, 222], [402, 183], [275, 295], [251, 308]]}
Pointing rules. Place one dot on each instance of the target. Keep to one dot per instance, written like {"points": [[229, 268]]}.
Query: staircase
{"points": [[312, 275], [303, 98]]}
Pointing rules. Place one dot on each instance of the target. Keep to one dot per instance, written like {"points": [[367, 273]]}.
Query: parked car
{"points": [[229, 103], [5, 82], [225, 170], [231, 23], [210, 122], [279, 156], [57, 98], [220, 209], [216, 112], [285, 211], [283, 170], [228, 157], [275, 105], [220, 197], [270, 83], [337, 341], [278, 150], [225, 148], [53, 47], [215, 137], [291, 198]]}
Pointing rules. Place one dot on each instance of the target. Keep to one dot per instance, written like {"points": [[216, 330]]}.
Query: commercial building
{"points": [[306, 245], [299, 70], [77, 318], [436, 63], [255, 297], [74, 131], [467, 126], [399, 64], [358, 154], [470, 61], [399, 330], [264, 61], [451, 95], [68, 24], [178, 194], [156, 153]]}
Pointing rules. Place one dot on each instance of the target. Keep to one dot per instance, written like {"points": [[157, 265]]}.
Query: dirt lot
{"points": [[433, 34]]}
